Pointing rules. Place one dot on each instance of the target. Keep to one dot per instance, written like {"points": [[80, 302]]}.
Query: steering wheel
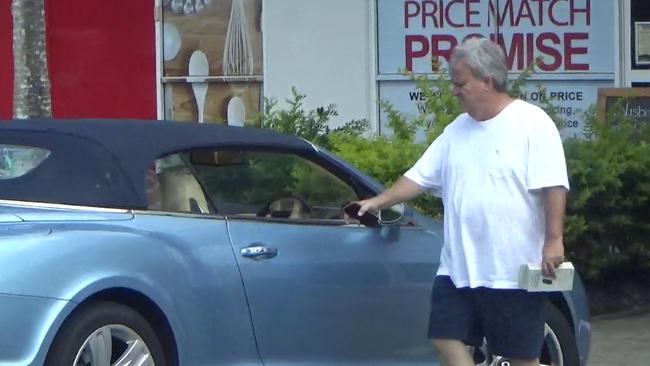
{"points": [[286, 207]]}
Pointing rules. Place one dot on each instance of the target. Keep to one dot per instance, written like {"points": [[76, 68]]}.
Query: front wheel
{"points": [[560, 347], [106, 334]]}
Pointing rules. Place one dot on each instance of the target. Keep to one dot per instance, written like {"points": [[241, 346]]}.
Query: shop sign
{"points": [[632, 103], [569, 101], [573, 39]]}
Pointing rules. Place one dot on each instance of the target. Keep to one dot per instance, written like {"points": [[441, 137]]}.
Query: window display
{"points": [[212, 60], [642, 49], [640, 33]]}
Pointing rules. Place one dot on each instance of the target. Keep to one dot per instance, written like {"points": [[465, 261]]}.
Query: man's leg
{"points": [[453, 323], [513, 321], [452, 352]]}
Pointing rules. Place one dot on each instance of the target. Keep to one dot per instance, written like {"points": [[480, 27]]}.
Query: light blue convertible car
{"points": [[161, 243]]}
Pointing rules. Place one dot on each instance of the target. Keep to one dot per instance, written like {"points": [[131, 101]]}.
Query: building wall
{"points": [[324, 49]]}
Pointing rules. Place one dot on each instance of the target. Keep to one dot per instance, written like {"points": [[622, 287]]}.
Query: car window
{"points": [[16, 161], [271, 184], [171, 186]]}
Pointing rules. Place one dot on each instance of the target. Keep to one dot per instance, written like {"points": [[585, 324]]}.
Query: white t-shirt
{"points": [[489, 175]]}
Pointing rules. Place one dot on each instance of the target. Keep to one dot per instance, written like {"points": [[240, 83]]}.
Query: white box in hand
{"points": [[532, 279]]}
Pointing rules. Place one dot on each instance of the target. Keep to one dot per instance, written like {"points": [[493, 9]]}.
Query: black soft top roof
{"points": [[101, 162]]}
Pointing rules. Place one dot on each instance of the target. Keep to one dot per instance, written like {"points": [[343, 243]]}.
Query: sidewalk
{"points": [[622, 339]]}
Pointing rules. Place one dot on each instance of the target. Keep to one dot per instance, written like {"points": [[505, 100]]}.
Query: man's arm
{"points": [[404, 189], [553, 251]]}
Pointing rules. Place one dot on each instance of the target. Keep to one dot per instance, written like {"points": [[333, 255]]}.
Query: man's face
{"points": [[469, 90]]}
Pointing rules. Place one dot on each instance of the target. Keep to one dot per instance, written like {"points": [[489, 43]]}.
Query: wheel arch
{"points": [[148, 309], [573, 307], [136, 300], [561, 303]]}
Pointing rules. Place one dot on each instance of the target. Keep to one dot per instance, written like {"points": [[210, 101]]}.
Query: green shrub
{"points": [[311, 125], [608, 210]]}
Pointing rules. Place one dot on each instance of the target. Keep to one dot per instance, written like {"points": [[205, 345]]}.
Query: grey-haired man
{"points": [[501, 172]]}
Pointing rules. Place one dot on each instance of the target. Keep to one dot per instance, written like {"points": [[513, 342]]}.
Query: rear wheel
{"points": [[560, 347], [106, 333]]}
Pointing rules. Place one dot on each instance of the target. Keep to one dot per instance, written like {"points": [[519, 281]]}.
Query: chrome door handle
{"points": [[258, 251]]}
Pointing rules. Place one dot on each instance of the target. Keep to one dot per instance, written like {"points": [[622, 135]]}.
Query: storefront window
{"points": [[640, 45]]}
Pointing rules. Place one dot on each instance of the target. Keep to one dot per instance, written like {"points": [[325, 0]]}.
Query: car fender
{"points": [[103, 282], [60, 273], [578, 306]]}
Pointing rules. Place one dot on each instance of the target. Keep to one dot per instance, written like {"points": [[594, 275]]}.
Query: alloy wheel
{"points": [[114, 345]]}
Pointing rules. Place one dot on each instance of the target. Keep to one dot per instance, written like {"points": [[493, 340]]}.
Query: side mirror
{"points": [[391, 215]]}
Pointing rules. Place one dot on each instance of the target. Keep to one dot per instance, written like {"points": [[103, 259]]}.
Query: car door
{"points": [[322, 290], [210, 302]]}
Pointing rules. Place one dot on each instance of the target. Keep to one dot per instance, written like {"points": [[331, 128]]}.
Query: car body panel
{"points": [[580, 317], [190, 273], [23, 211], [22, 337], [4, 218], [333, 294]]}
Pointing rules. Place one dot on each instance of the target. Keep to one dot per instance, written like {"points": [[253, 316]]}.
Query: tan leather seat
{"points": [[180, 192]]}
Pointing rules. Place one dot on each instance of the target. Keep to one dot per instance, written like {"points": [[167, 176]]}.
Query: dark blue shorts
{"points": [[512, 321]]}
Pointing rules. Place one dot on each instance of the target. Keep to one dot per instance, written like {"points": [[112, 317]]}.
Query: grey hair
{"points": [[484, 58]]}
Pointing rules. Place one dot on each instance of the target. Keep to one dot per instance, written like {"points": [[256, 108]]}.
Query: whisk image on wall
{"points": [[237, 59], [237, 52]]}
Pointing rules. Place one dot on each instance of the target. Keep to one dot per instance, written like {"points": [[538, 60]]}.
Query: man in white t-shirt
{"points": [[500, 170]]}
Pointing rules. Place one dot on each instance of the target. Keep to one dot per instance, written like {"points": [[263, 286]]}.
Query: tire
{"points": [[83, 336], [558, 334]]}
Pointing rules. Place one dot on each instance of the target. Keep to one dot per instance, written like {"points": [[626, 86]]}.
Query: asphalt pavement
{"points": [[622, 339]]}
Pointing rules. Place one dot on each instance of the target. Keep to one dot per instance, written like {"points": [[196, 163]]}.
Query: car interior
{"points": [[180, 192], [249, 185]]}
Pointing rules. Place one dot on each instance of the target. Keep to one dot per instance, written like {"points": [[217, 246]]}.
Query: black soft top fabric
{"points": [[101, 162]]}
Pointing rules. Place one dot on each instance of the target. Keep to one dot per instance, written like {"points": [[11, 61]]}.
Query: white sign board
{"points": [[574, 39]]}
